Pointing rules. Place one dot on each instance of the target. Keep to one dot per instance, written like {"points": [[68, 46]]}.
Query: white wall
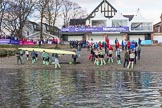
{"points": [[113, 37], [135, 37], [158, 38], [87, 22], [28, 27], [79, 38], [96, 38]]}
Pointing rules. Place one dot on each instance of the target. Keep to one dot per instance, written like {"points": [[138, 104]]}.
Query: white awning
{"points": [[118, 16], [139, 18]]}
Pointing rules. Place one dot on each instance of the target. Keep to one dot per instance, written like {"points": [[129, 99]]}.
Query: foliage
{"points": [[9, 46], [57, 47], [53, 11], [5, 53], [14, 14]]}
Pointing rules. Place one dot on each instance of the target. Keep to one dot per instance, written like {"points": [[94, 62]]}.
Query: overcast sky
{"points": [[150, 9]]}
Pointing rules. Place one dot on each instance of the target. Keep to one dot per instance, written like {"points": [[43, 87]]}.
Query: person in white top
{"points": [[131, 60], [96, 57], [27, 55], [118, 53], [57, 64]]}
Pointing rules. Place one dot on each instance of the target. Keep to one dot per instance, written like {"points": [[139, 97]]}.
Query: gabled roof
{"points": [[161, 16], [32, 22], [96, 9], [129, 16], [157, 24], [47, 25], [139, 17]]}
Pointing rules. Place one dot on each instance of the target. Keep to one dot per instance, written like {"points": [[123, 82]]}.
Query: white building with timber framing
{"points": [[104, 21]]}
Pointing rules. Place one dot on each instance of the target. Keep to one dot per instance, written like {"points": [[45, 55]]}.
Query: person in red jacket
{"points": [[107, 40], [117, 45], [100, 45]]}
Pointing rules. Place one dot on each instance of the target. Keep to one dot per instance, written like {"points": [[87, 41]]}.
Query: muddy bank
{"points": [[150, 61]]}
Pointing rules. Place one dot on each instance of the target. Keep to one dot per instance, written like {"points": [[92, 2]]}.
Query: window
{"points": [[27, 33], [141, 26], [99, 23], [119, 23]]}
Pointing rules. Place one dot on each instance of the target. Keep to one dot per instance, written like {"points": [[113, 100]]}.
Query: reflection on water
{"points": [[77, 89]]}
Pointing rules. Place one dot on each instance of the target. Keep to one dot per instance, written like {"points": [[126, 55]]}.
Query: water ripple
{"points": [[75, 89]]}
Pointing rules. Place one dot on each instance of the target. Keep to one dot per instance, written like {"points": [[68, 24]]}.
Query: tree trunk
{"points": [[20, 30], [41, 27]]}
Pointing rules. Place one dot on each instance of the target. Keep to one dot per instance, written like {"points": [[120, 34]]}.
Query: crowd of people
{"points": [[8, 37], [24, 40], [75, 43], [47, 58], [102, 53], [77, 25], [33, 56]]}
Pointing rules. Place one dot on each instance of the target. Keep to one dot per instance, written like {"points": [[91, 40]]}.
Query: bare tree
{"points": [[76, 9], [10, 23], [3, 6], [53, 10], [72, 10], [10, 19], [18, 11], [41, 7], [67, 7]]}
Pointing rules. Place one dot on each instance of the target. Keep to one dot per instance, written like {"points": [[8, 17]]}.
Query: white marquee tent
{"points": [[119, 20]]}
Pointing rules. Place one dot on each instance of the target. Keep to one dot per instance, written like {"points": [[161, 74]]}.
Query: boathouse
{"points": [[105, 21]]}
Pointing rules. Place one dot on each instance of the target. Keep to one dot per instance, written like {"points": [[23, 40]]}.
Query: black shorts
{"points": [[33, 58], [131, 59], [110, 55], [47, 59], [118, 57], [27, 55], [96, 56], [101, 56], [36, 55]]}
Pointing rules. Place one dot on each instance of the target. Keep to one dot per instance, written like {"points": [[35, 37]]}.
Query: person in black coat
{"points": [[74, 56], [139, 41]]}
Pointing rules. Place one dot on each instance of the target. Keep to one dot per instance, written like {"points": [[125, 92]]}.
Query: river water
{"points": [[79, 89]]}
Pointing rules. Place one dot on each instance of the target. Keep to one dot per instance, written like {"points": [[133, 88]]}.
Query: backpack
{"points": [[139, 48]]}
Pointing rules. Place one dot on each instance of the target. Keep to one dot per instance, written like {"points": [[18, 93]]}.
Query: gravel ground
{"points": [[150, 62]]}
